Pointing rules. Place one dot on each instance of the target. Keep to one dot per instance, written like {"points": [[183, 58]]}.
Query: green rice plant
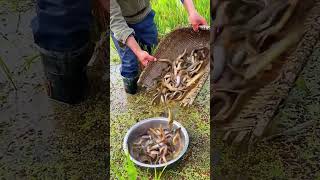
{"points": [[13, 4], [171, 14], [130, 172], [158, 176], [29, 61], [131, 169], [302, 85], [7, 72]]}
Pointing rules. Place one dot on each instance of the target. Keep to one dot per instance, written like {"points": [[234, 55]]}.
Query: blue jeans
{"points": [[62, 25], [146, 34]]}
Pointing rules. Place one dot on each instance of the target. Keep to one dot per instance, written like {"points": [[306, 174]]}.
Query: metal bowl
{"points": [[141, 128]]}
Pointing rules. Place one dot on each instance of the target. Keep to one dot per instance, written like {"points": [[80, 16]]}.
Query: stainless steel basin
{"points": [[141, 128]]}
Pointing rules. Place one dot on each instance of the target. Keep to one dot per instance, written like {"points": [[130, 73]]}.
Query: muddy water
{"points": [[40, 138]]}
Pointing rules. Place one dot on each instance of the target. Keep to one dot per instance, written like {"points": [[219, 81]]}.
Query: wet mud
{"points": [[40, 138], [290, 149]]}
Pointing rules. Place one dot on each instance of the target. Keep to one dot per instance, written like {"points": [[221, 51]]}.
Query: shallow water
{"points": [[38, 137]]}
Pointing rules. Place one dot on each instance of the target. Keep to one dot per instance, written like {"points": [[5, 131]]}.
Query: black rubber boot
{"points": [[66, 74], [130, 85]]}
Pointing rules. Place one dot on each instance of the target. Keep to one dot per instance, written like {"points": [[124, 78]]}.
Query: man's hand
{"points": [[144, 57], [196, 20]]}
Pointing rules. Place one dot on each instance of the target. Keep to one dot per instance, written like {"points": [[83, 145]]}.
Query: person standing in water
{"points": [[61, 30]]}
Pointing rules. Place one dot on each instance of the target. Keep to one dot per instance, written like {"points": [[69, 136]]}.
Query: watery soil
{"points": [[43, 139], [294, 155], [39, 138]]}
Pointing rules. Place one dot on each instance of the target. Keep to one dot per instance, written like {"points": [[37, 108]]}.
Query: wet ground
{"points": [[40, 138], [126, 110], [292, 149]]}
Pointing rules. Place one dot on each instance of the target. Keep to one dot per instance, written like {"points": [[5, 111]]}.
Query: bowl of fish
{"points": [[156, 142]]}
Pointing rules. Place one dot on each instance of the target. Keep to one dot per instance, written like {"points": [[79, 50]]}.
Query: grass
{"points": [[262, 163], [290, 157], [131, 172], [76, 150], [195, 164], [29, 61], [13, 5], [7, 73], [17, 5], [170, 14], [130, 109]]}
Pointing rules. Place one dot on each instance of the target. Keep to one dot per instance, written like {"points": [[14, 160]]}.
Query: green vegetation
{"points": [[289, 157], [77, 150], [261, 163], [170, 14], [17, 5], [7, 73], [194, 165], [131, 171], [13, 5], [28, 61]]}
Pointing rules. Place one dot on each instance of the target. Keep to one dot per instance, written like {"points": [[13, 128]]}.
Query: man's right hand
{"points": [[144, 57]]}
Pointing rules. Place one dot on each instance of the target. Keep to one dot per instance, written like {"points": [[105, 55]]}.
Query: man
{"points": [[133, 27], [61, 30]]}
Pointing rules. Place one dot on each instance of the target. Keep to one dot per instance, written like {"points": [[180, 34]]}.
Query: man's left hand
{"points": [[196, 20]]}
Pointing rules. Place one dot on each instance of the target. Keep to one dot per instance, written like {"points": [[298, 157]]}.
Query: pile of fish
{"points": [[181, 75], [246, 42], [158, 145]]}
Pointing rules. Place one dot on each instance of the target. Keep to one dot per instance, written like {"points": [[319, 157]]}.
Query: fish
{"points": [[159, 145], [181, 73], [170, 118]]}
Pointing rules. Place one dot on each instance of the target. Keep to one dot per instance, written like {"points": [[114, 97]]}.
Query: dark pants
{"points": [[146, 34], [62, 25], [61, 29]]}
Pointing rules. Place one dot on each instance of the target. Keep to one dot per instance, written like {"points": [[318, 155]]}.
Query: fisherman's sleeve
{"points": [[118, 25]]}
